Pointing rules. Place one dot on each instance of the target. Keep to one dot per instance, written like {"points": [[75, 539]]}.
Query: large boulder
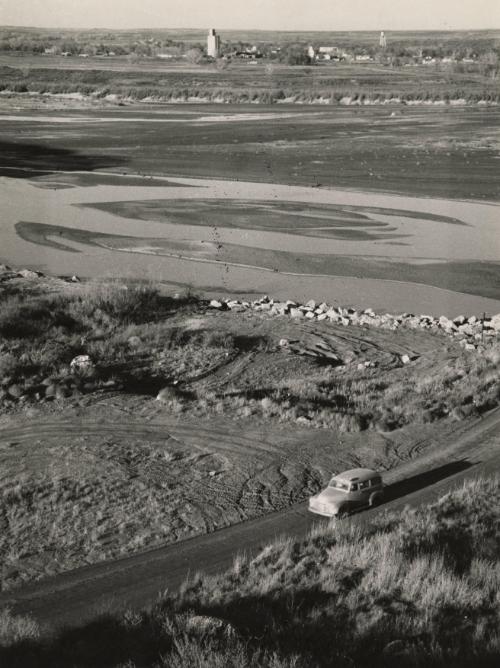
{"points": [[215, 303], [296, 313], [446, 324], [279, 308], [333, 314]]}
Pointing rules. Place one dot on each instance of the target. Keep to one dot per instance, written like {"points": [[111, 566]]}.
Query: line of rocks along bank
{"points": [[471, 332]]}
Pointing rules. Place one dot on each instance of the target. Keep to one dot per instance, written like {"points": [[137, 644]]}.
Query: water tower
{"points": [[383, 40]]}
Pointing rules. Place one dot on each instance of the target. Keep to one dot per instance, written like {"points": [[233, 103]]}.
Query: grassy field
{"points": [[418, 588]]}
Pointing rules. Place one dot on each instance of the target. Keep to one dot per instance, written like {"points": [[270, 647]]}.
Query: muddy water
{"points": [[425, 240]]}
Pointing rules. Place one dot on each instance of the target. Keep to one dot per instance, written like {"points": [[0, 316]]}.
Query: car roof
{"points": [[357, 474]]}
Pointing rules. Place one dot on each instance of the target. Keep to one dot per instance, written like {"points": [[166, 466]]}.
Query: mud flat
{"points": [[346, 247]]}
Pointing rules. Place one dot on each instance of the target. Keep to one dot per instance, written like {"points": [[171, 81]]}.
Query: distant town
{"points": [[322, 50]]}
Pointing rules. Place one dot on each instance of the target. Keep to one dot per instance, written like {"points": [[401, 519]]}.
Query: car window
{"points": [[354, 487], [364, 485], [338, 484], [375, 481]]}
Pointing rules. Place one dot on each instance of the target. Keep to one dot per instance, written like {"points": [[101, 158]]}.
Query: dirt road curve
{"points": [[74, 597]]}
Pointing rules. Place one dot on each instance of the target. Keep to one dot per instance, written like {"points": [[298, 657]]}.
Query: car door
{"points": [[355, 495], [364, 492]]}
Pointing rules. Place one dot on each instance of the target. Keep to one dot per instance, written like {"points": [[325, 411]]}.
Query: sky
{"points": [[255, 14]]}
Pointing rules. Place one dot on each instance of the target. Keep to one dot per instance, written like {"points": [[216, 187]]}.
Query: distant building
{"points": [[328, 53], [383, 40], [213, 44], [311, 52]]}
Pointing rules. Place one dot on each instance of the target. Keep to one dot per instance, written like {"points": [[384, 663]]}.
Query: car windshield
{"points": [[336, 483]]}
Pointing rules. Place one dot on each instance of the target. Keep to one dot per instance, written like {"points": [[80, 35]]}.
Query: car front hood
{"points": [[331, 497]]}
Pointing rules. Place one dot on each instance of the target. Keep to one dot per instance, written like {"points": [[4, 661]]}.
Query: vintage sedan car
{"points": [[348, 491]]}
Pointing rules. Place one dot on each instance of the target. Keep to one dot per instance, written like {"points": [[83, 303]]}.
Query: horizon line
{"points": [[281, 30]]}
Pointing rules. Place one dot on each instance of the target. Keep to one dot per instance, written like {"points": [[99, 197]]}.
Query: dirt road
{"points": [[77, 596]]}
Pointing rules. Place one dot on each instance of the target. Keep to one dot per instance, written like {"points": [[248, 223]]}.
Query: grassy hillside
{"points": [[419, 588]]}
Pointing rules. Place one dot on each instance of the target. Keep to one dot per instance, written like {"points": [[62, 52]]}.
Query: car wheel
{"points": [[375, 500]]}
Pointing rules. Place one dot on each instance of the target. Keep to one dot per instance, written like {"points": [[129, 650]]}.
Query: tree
{"points": [[194, 56], [488, 64], [295, 54]]}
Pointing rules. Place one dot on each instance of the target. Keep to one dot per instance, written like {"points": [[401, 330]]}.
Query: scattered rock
{"points": [[134, 342], [405, 359], [81, 363], [296, 313], [284, 343], [303, 420], [15, 391], [50, 391], [167, 394], [75, 279], [215, 303], [28, 273]]}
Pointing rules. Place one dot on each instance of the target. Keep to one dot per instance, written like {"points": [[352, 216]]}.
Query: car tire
{"points": [[375, 500]]}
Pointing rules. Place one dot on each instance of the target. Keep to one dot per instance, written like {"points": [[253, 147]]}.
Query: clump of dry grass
{"points": [[16, 628]]}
